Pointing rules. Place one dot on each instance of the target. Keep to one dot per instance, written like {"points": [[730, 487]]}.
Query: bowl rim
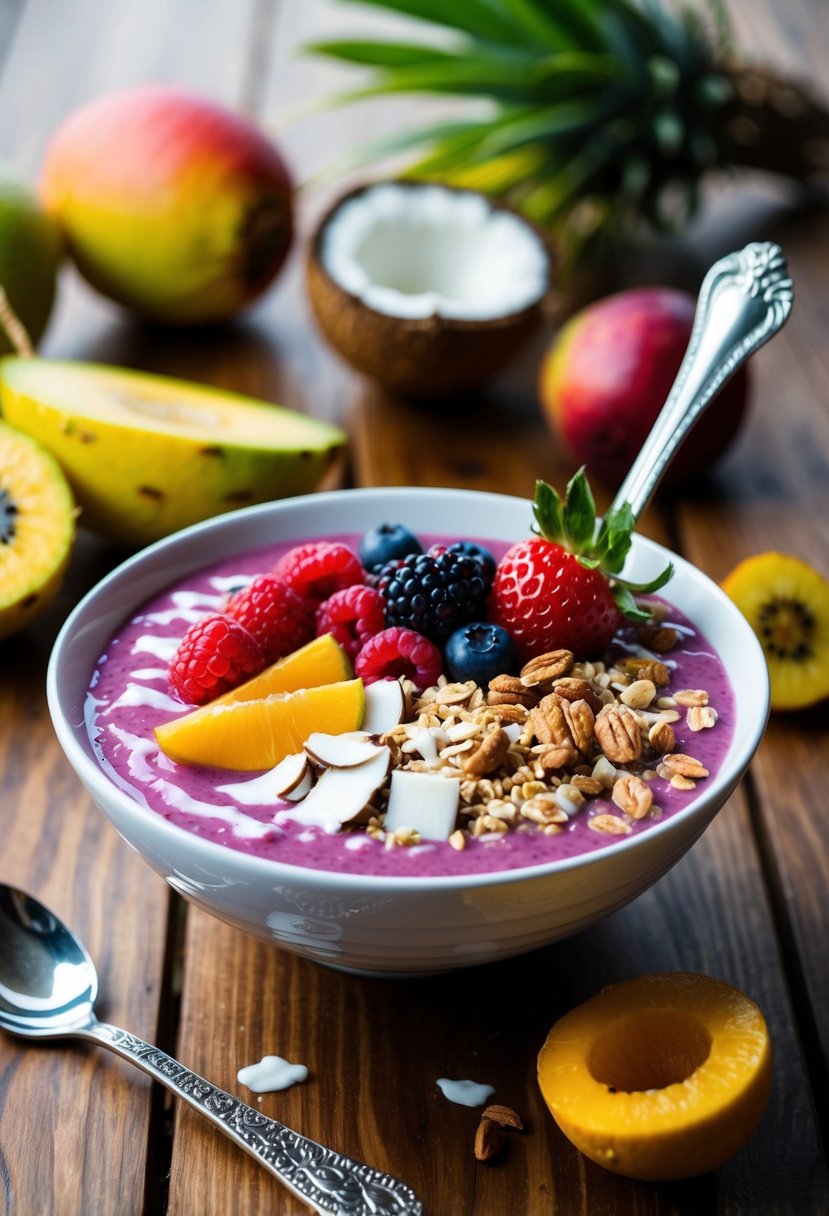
{"points": [[98, 782]]}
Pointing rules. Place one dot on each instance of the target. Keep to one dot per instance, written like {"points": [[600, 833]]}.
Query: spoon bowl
{"points": [[48, 987], [48, 982]]}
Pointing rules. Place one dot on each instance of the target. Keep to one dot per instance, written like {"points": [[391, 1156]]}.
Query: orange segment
{"points": [[257, 734], [660, 1077], [322, 661]]}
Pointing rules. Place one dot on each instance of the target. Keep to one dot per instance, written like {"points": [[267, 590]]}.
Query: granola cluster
{"points": [[561, 739]]}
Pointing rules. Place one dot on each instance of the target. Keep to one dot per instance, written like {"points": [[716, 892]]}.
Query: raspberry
{"points": [[215, 654], [352, 615], [399, 652], [434, 594], [279, 619], [316, 570]]}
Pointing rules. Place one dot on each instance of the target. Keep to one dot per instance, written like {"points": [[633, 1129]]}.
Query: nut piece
{"points": [[563, 723], [663, 640], [701, 717], [508, 690], [647, 669], [609, 825], [662, 738], [639, 694], [617, 732], [574, 689], [547, 667], [684, 766], [489, 756], [504, 1116], [691, 696], [489, 1140], [509, 713], [633, 796]]}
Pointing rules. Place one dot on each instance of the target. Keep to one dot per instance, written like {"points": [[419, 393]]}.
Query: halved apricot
{"points": [[660, 1077]]}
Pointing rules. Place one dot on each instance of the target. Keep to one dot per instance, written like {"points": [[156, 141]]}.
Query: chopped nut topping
{"points": [[684, 766], [639, 694], [663, 640], [489, 1140], [701, 717], [489, 756], [546, 667], [661, 737], [617, 731], [691, 696], [529, 751], [633, 796], [504, 1116], [610, 825]]}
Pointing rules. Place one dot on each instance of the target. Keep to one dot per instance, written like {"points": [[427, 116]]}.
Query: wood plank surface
{"points": [[749, 903]]}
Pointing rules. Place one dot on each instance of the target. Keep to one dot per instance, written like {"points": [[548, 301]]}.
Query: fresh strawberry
{"points": [[352, 615], [316, 570], [215, 654], [561, 589], [399, 652], [279, 619]]}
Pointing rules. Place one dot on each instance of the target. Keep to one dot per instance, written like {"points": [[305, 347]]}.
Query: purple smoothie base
{"points": [[153, 780]]}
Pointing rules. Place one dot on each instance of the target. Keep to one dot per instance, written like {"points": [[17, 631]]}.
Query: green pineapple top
{"points": [[603, 113]]}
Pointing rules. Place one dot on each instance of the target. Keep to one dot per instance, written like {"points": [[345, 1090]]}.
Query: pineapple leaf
{"points": [[509, 78], [514, 130], [479, 18], [555, 26], [496, 175], [376, 54], [603, 114]]}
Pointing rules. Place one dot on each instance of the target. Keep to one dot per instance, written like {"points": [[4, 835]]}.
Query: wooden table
{"points": [[81, 1132]]}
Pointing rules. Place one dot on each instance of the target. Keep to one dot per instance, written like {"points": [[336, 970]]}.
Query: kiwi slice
{"points": [[37, 527], [786, 602]]}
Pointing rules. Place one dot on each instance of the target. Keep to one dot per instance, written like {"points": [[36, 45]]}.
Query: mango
{"points": [[607, 375], [170, 204]]}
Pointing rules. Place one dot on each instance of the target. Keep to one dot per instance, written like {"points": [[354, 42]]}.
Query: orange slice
{"points": [[660, 1077], [257, 733], [322, 661]]}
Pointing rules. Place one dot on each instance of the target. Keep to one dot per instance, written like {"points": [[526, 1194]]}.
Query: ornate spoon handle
{"points": [[331, 1184], [745, 298]]}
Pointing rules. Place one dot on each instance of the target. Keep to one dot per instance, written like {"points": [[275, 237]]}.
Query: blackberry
{"points": [[434, 594]]}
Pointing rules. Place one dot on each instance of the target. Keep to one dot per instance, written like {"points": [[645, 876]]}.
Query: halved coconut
{"points": [[426, 288]]}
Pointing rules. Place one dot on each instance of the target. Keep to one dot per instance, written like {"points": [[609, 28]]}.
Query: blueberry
{"points": [[480, 652], [386, 543]]}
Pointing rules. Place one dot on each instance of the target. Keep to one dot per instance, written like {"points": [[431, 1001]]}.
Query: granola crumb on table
{"points": [[561, 739]]}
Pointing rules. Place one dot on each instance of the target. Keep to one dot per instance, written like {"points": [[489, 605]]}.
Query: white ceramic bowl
{"points": [[393, 925]]}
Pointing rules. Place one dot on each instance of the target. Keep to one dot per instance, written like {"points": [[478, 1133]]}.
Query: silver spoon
{"points": [[744, 300], [48, 986]]}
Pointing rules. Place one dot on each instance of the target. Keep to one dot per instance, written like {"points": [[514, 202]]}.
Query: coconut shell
{"points": [[414, 357]]}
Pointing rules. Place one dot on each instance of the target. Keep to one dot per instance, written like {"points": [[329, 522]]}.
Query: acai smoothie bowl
{"points": [[405, 730]]}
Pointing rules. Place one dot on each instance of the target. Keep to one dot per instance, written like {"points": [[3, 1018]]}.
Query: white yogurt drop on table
{"points": [[270, 1074], [465, 1093]]}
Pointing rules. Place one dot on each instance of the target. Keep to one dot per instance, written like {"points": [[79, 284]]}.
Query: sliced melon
{"points": [[37, 527], [146, 455], [258, 734]]}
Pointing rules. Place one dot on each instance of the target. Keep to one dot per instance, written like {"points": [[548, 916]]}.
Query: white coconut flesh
{"points": [[422, 251]]}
